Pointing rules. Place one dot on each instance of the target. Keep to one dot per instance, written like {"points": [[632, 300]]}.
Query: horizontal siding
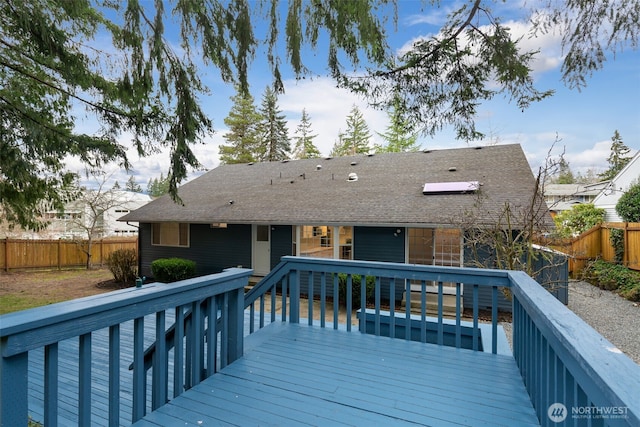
{"points": [[212, 249], [281, 242]]}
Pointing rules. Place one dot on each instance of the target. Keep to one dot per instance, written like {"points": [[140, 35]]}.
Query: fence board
{"points": [[596, 244], [18, 254]]}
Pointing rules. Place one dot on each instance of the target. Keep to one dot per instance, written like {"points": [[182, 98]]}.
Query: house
{"points": [[561, 197], [91, 211], [608, 198], [394, 207]]}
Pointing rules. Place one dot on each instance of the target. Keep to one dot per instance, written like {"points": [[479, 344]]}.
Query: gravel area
{"points": [[615, 318]]}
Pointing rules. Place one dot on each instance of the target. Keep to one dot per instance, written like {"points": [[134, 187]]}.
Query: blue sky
{"points": [[583, 121]]}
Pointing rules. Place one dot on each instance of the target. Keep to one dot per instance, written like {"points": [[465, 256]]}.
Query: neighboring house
{"points": [[396, 207], [77, 216], [608, 198], [561, 197]]}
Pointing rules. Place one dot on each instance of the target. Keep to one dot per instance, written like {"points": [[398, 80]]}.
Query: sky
{"points": [[579, 124]]}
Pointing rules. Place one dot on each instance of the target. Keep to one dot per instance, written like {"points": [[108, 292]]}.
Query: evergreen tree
{"points": [[139, 85], [132, 185], [243, 136], [274, 145], [399, 136], [618, 158], [304, 148], [157, 187], [565, 176], [355, 140], [116, 186]]}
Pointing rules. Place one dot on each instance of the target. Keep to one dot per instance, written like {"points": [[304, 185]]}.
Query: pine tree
{"points": [[116, 186], [399, 136], [618, 158], [355, 140], [243, 137], [158, 187], [274, 144], [304, 148], [565, 176], [132, 185]]}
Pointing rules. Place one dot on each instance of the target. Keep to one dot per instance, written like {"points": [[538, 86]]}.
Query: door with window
{"points": [[261, 249], [435, 246]]}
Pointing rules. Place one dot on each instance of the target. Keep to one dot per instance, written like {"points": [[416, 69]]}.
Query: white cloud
{"points": [[328, 107]]}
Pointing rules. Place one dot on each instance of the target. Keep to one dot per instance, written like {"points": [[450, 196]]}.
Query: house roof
{"points": [[388, 190]]}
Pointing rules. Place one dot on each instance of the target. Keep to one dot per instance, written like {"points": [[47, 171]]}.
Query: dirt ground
{"points": [[24, 289]]}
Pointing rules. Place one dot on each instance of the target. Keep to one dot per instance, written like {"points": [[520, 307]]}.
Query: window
{"points": [[318, 241], [170, 234]]}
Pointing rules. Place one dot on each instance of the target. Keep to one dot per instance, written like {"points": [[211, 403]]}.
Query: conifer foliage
{"points": [[273, 133], [304, 148]]}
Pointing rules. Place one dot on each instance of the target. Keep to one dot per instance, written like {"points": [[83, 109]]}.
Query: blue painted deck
{"points": [[292, 374], [230, 372]]}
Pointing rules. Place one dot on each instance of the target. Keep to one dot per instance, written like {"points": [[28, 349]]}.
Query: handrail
{"points": [[289, 273], [46, 327], [563, 360]]}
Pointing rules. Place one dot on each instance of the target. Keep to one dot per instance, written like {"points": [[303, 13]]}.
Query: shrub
{"points": [[616, 277], [356, 280], [628, 206], [173, 269], [123, 264], [578, 219]]}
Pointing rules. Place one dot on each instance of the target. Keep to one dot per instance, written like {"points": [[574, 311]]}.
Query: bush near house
{"points": [[173, 269], [614, 277], [123, 264], [356, 280]]}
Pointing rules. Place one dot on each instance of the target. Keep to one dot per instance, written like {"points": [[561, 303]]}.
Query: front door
{"points": [[261, 249]]}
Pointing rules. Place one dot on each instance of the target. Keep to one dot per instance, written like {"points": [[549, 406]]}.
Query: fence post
{"points": [[6, 254], [59, 253]]}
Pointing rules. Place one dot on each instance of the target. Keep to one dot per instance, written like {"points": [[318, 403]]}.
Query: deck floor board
{"points": [[297, 375], [300, 375]]}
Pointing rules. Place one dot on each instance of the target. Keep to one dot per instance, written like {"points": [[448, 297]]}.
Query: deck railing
{"points": [[212, 338], [321, 281], [570, 371]]}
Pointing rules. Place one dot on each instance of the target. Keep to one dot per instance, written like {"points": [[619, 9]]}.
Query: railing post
{"points": [[294, 284], [236, 325], [13, 389]]}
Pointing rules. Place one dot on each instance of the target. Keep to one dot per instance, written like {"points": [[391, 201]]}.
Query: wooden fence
{"points": [[596, 244], [21, 254]]}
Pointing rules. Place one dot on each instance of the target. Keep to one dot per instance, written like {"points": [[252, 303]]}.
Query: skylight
{"points": [[451, 187]]}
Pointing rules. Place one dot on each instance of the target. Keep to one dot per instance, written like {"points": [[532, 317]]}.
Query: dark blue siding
{"points": [[379, 244], [281, 242], [213, 249]]}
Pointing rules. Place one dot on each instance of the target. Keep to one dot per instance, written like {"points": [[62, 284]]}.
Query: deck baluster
{"points": [[50, 384], [440, 314], [139, 373], [178, 352], [84, 380], [458, 315], [423, 311], [407, 309], [114, 375], [160, 364]]}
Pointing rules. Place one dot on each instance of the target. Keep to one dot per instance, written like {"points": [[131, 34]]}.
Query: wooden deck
{"points": [[294, 374]]}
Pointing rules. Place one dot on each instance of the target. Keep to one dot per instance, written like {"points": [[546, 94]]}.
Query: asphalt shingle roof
{"points": [[317, 191]]}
